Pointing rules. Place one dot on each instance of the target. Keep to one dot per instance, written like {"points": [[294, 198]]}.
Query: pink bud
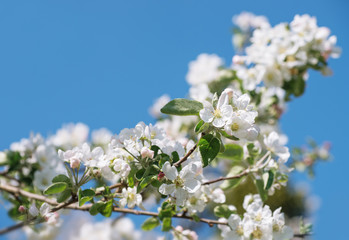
{"points": [[146, 152], [238, 59], [74, 163], [22, 209], [161, 175]]}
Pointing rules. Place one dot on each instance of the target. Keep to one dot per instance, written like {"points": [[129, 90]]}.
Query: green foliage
{"points": [[106, 209], [223, 211], [232, 152], [94, 209], [61, 178], [268, 179], [55, 188], [166, 224], [85, 196], [63, 196], [209, 147], [182, 107], [261, 190], [150, 224]]}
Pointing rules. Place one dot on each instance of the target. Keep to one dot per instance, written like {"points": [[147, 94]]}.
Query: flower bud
{"points": [[161, 175], [146, 152], [74, 163], [22, 209]]}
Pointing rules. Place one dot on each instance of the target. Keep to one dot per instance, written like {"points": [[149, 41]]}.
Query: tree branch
{"points": [[244, 173], [70, 205], [186, 156]]}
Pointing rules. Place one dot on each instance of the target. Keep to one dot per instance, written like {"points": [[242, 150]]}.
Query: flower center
{"points": [[276, 228], [217, 113], [234, 127], [240, 231], [179, 182], [257, 233]]}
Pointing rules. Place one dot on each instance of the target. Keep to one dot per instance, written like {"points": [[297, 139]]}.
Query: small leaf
{"points": [[226, 135], [209, 147], [268, 179], [182, 107], [262, 192], [63, 196], [145, 182], [233, 152], [106, 209], [198, 126], [150, 224], [55, 188], [223, 211], [166, 224], [94, 209], [61, 178], [85, 196], [175, 157], [155, 149]]}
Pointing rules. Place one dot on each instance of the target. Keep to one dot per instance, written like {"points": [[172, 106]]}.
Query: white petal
{"points": [[206, 114], [170, 171], [181, 195], [192, 185], [167, 189]]}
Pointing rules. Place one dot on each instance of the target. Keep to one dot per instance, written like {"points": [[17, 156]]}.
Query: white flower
{"points": [[220, 115], [158, 104], [280, 231], [180, 234], [3, 157], [204, 69], [272, 143], [70, 135], [101, 137], [130, 197], [183, 183], [237, 230], [121, 167]]}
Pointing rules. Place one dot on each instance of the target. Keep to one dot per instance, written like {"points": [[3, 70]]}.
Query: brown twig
{"points": [[244, 173], [186, 156], [70, 205]]}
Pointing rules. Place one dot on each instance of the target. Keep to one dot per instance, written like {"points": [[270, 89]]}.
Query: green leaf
{"points": [[166, 224], [226, 135], [209, 147], [223, 211], [55, 188], [94, 209], [140, 173], [106, 209], [85, 196], [195, 218], [62, 178], [198, 126], [155, 149], [150, 224], [235, 170], [175, 157], [182, 107], [63, 196], [130, 180], [145, 182], [268, 178], [232, 152], [262, 192]]}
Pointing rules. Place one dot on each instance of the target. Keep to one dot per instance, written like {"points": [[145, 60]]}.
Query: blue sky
{"points": [[103, 63]]}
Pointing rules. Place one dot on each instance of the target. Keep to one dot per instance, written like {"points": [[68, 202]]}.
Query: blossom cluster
{"points": [[229, 127], [258, 222]]}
